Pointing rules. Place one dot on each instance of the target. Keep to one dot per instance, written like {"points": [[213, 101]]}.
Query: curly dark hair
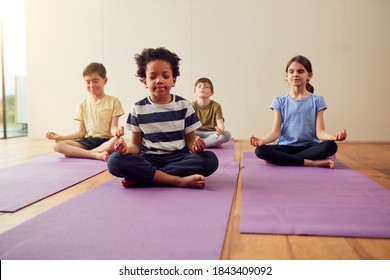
{"points": [[150, 54]]}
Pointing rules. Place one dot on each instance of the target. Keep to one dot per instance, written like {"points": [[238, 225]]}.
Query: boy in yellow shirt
{"points": [[98, 116]]}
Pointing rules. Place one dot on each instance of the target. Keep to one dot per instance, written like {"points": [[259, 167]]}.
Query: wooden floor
{"points": [[372, 160]]}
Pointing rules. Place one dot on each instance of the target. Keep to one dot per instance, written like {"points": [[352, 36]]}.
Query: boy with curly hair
{"points": [[163, 148]]}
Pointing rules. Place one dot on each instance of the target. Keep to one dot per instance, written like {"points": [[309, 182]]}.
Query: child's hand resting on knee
{"points": [[199, 145]]}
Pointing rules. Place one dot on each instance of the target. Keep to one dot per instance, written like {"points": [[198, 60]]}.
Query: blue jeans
{"points": [[142, 168]]}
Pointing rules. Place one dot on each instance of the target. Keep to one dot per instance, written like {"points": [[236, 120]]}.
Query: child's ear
{"points": [[143, 80], [174, 82]]}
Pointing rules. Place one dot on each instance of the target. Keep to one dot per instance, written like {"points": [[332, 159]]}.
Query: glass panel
{"points": [[1, 118], [2, 86], [14, 64]]}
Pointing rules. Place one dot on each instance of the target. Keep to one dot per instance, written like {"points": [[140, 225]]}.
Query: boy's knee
{"points": [[211, 161], [57, 147], [227, 135], [214, 160], [113, 162]]}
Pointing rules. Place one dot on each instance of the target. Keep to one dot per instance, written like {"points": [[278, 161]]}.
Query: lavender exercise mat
{"points": [[26, 183], [312, 201], [110, 222], [225, 154]]}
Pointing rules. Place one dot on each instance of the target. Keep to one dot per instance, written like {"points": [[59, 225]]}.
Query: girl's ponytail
{"points": [[309, 87]]}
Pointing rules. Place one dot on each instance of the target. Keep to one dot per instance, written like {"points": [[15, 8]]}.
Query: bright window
{"points": [[13, 81]]}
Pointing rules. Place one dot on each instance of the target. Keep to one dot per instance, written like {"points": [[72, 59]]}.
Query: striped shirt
{"points": [[163, 126]]}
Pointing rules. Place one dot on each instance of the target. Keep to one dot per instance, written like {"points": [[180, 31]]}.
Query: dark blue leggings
{"points": [[142, 168], [295, 155]]}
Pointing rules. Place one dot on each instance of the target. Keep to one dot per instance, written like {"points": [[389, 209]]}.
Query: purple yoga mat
{"points": [[312, 201], [24, 184], [111, 223], [225, 154]]}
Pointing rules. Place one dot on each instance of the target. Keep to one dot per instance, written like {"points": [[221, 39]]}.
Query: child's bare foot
{"points": [[126, 183], [320, 163], [103, 156], [193, 181]]}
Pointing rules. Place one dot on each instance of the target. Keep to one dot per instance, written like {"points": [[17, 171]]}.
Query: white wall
{"points": [[242, 46]]}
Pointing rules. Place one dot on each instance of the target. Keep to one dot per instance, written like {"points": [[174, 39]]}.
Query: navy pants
{"points": [[142, 168], [295, 155]]}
